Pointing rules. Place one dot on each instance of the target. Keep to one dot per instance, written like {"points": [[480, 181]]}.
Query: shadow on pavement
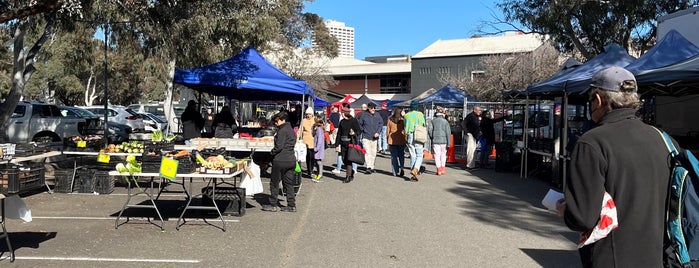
{"points": [[509, 202], [553, 257], [26, 240]]}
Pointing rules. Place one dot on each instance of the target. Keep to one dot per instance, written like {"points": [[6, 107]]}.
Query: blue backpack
{"points": [[682, 223]]}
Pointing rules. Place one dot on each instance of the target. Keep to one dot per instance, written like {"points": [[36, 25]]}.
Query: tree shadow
{"points": [[553, 257], [509, 202]]}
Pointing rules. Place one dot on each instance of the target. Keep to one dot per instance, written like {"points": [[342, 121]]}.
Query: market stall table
{"points": [[213, 181], [80, 156]]}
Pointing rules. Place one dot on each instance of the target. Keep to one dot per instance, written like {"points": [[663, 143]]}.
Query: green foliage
{"points": [[587, 26]]}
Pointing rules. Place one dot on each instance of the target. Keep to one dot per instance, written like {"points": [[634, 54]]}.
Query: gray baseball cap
{"points": [[612, 78]]}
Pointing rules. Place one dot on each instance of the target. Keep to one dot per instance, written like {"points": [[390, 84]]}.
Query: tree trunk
{"points": [[167, 102]]}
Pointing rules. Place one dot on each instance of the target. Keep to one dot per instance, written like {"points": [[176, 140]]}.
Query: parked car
{"points": [[94, 124], [153, 122], [40, 122], [120, 115]]}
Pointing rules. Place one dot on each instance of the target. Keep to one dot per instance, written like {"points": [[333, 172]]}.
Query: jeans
{"points": [[340, 164], [397, 157], [416, 152], [383, 141]]}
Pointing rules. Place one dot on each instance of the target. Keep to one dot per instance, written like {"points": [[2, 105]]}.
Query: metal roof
{"points": [[511, 43]]}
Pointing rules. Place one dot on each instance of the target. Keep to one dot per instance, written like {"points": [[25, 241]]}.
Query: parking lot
{"points": [[477, 219]]}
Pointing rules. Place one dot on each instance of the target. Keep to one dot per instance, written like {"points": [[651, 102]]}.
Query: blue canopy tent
{"points": [[673, 48], [447, 96], [246, 76], [578, 80], [318, 102]]}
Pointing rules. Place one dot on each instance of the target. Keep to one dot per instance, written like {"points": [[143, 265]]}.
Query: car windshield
{"points": [[84, 113]]}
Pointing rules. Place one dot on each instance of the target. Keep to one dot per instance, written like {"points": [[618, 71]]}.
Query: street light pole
{"points": [[106, 92]]}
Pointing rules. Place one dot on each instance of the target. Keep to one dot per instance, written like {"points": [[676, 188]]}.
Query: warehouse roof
{"points": [[509, 43]]}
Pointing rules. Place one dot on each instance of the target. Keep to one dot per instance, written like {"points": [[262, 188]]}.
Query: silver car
{"points": [[117, 132], [153, 122], [120, 115]]}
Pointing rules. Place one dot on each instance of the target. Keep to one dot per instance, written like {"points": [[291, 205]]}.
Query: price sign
{"points": [[168, 168], [82, 144], [103, 158]]}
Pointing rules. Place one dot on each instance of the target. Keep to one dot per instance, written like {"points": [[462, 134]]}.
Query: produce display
{"points": [[158, 136], [214, 162], [125, 147], [132, 165]]}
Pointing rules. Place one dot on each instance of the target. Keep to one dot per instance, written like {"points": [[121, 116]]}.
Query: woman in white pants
{"points": [[440, 134]]}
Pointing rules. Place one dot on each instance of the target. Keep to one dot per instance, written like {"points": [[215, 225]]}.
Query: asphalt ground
{"points": [[480, 218]]}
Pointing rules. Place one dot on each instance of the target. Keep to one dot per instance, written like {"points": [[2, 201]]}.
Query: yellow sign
{"points": [[103, 158], [168, 168], [82, 144]]}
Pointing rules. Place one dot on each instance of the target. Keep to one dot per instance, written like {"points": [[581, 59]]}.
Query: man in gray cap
{"points": [[625, 159]]}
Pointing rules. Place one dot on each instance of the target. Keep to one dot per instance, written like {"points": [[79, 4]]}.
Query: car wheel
{"points": [[45, 139]]}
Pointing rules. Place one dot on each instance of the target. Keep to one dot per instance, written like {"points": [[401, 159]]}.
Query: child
{"points": [[318, 148]]}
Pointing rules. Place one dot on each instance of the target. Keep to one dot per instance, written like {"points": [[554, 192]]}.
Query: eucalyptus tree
{"points": [[194, 33], [587, 26]]}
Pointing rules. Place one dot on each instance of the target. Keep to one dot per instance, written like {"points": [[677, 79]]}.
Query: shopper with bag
{"points": [[347, 134], [283, 165], [413, 120], [306, 135]]}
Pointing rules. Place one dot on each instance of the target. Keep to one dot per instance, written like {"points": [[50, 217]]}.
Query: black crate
{"points": [[63, 180], [158, 147], [151, 163], [17, 179], [230, 200], [104, 184], [186, 164], [85, 181]]}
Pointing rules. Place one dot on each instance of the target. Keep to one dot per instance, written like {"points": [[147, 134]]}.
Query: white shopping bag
{"points": [[252, 183], [15, 208], [300, 149]]}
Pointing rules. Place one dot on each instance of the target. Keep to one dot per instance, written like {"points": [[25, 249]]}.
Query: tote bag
{"points": [[355, 153], [420, 134], [300, 150]]}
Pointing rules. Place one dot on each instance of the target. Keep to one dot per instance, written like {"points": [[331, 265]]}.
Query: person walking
{"points": [[334, 118], [283, 165], [224, 124], [488, 132], [627, 160], [412, 119], [439, 132], [192, 122], [472, 127], [338, 170], [305, 133], [395, 131], [349, 131], [318, 149], [371, 124], [385, 114]]}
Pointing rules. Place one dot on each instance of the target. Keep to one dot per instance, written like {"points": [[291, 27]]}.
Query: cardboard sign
{"points": [[82, 144], [168, 168], [103, 158]]}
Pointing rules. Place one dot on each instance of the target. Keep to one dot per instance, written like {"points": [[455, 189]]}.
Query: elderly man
{"points": [[625, 160], [472, 127], [370, 122]]}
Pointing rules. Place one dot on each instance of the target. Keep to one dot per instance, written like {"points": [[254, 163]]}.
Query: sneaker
{"points": [[318, 178], [336, 171], [270, 208], [402, 173], [289, 209]]}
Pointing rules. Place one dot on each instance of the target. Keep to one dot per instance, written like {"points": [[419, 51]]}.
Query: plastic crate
{"points": [[16, 179], [231, 200], [151, 163], [84, 181], [104, 184], [63, 180]]}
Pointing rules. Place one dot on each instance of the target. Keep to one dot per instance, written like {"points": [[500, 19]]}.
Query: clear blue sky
{"points": [[391, 27]]}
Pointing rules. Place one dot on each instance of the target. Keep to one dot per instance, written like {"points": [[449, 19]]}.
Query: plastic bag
{"points": [[297, 169], [252, 183], [300, 149], [15, 208]]}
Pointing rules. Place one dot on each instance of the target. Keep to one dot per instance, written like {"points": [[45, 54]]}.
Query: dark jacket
{"points": [[488, 128], [472, 124], [335, 119], [628, 159], [385, 114], [344, 130], [284, 142], [370, 124], [192, 123], [224, 125]]}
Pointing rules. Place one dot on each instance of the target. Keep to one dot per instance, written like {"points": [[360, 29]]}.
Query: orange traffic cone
{"points": [[451, 156], [493, 154]]}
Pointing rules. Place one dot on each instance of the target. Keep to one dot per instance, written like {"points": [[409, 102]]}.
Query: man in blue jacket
{"points": [[371, 124]]}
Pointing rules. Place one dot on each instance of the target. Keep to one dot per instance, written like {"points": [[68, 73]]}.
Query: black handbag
{"points": [[355, 153]]}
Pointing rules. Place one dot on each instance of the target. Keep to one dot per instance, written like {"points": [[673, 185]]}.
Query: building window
{"points": [[395, 85], [444, 70], [425, 70], [477, 76]]}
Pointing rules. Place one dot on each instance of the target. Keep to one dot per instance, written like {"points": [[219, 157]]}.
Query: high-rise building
{"points": [[344, 36]]}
